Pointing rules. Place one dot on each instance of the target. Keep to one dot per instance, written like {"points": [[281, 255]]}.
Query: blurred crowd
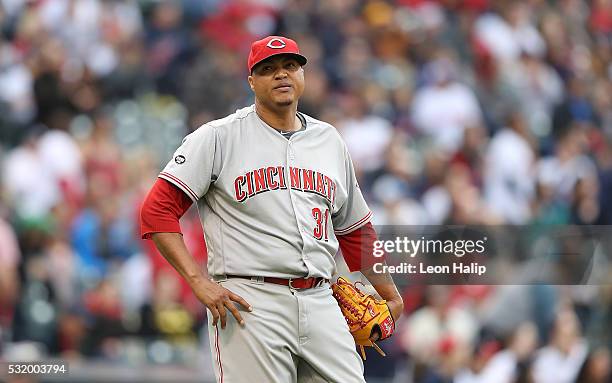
{"points": [[454, 112]]}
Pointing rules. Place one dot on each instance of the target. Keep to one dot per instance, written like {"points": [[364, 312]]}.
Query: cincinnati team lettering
{"points": [[261, 180]]}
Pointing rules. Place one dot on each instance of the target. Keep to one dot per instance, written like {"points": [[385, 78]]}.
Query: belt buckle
{"points": [[315, 282], [291, 284], [300, 288]]}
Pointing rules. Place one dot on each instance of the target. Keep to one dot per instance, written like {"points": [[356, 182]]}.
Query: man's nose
{"points": [[280, 74]]}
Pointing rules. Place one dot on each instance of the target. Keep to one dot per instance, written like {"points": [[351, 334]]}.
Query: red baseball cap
{"points": [[272, 46]]}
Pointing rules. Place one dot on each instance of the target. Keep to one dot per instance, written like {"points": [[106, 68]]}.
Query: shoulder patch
{"points": [[179, 159]]}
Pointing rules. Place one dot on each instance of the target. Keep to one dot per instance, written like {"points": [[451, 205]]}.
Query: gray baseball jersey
{"points": [[270, 206]]}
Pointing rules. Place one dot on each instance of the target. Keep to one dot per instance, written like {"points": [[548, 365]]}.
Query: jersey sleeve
{"points": [[194, 164], [162, 209], [354, 212]]}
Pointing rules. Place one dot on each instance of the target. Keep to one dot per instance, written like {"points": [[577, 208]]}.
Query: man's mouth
{"points": [[283, 87]]}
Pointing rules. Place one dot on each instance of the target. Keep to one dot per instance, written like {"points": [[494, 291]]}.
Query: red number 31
{"points": [[320, 229]]}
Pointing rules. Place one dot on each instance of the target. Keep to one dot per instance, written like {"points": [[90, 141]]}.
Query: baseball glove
{"points": [[365, 315]]}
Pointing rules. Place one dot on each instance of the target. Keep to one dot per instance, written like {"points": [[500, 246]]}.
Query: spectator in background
{"points": [[467, 205], [439, 330], [507, 365], [509, 176], [168, 43], [91, 237], [38, 309], [537, 87], [435, 197], [394, 191], [562, 171], [63, 159], [104, 320], [509, 32], [585, 204], [395, 207], [575, 107], [16, 93], [102, 156], [471, 155], [30, 186], [561, 360], [367, 136], [444, 108]]}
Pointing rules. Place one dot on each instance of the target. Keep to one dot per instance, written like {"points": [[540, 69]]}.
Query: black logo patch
{"points": [[179, 159]]}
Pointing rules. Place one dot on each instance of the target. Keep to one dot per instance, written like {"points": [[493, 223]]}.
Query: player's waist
{"points": [[293, 283]]}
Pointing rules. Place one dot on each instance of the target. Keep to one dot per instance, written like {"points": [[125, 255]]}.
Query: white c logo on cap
{"points": [[276, 44]]}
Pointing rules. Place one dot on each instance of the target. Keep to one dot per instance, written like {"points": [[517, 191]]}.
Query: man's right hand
{"points": [[217, 298], [214, 296]]}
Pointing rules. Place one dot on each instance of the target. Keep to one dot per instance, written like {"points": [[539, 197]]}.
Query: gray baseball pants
{"points": [[291, 336]]}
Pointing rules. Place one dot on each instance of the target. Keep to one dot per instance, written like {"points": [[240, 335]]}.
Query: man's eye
{"points": [[291, 65]]}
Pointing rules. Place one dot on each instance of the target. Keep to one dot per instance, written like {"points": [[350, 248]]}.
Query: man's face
{"points": [[278, 81]]}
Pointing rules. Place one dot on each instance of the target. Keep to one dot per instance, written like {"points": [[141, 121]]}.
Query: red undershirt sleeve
{"points": [[357, 247], [162, 208]]}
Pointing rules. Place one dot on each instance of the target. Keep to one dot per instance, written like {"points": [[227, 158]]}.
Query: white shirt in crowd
{"points": [[552, 366], [443, 113], [509, 176], [367, 140], [500, 369], [562, 176]]}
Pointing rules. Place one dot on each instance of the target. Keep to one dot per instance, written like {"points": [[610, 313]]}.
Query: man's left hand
{"points": [[396, 308]]}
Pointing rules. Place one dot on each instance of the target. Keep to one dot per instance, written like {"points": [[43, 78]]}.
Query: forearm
{"points": [[383, 283], [172, 247]]}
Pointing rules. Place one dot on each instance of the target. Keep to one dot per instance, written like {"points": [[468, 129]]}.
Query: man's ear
{"points": [[250, 78]]}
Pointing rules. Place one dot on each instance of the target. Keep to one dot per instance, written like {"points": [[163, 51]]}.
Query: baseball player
{"points": [[277, 196]]}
